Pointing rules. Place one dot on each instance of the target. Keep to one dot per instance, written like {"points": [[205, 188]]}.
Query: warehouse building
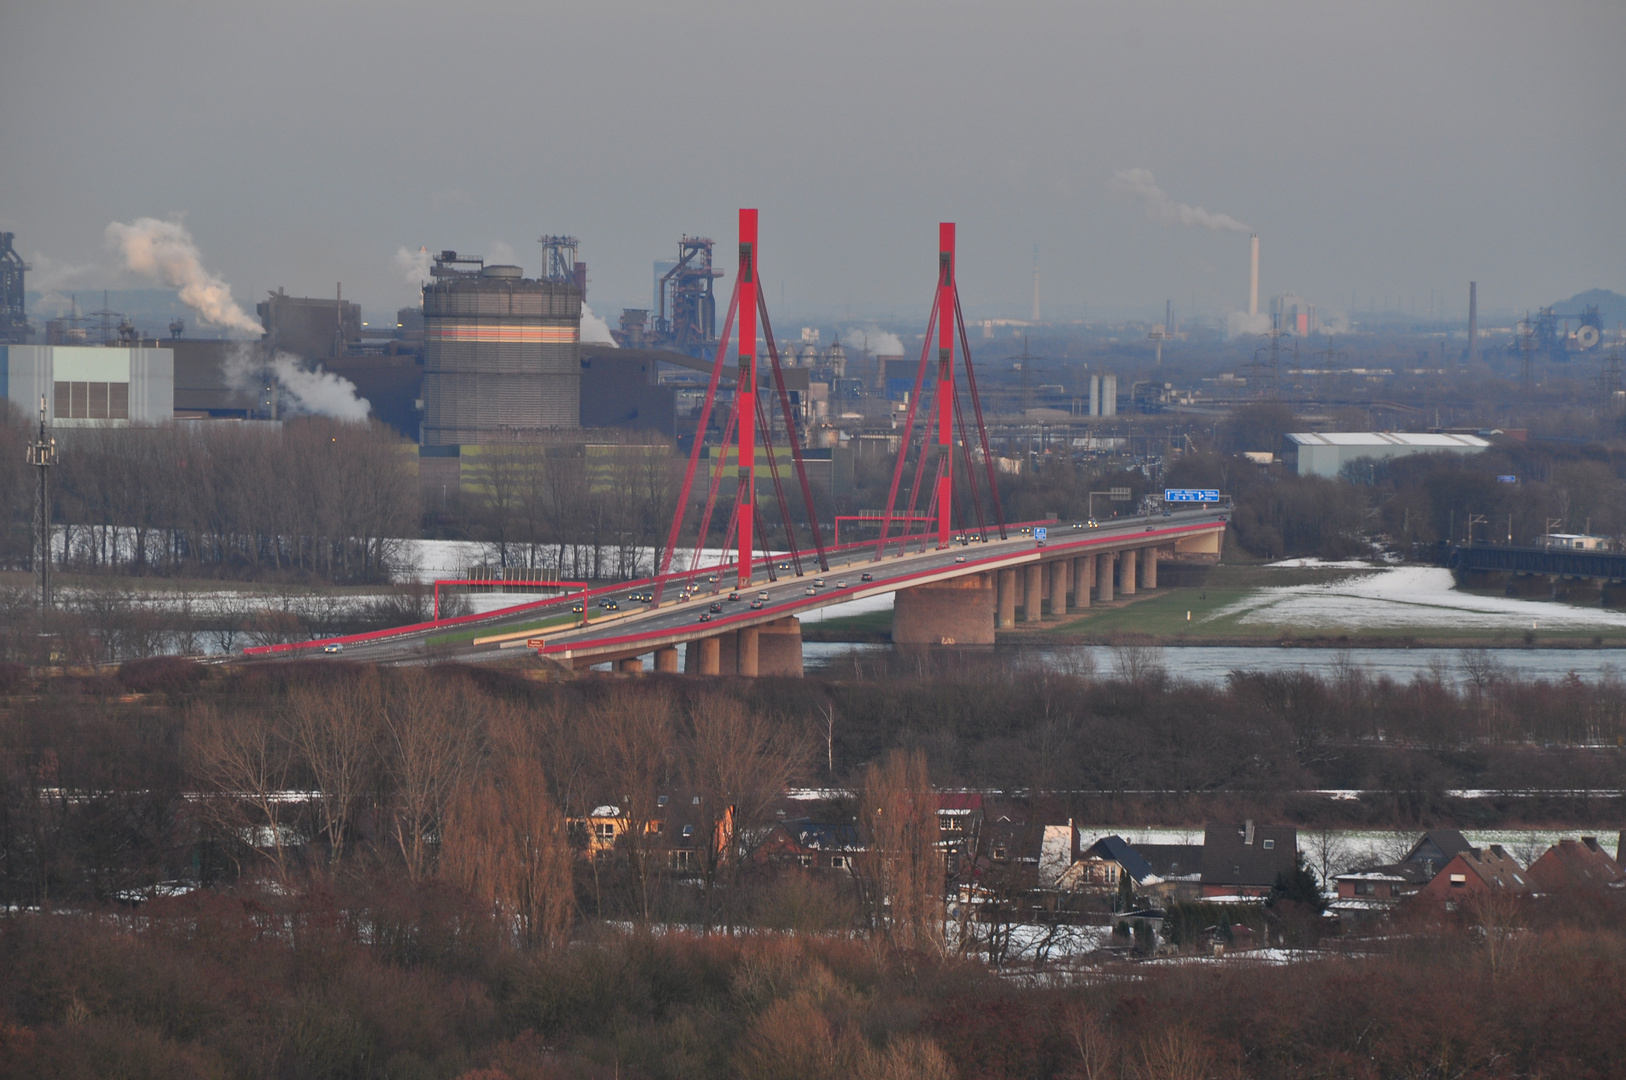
{"points": [[1325, 453], [88, 385]]}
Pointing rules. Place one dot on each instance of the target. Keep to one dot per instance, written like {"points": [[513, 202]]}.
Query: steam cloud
{"points": [[304, 392], [595, 331], [877, 341], [164, 250], [413, 265], [1159, 207]]}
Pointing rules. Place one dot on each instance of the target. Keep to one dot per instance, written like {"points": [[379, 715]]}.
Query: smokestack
{"points": [[1253, 276], [1035, 282], [1473, 322]]}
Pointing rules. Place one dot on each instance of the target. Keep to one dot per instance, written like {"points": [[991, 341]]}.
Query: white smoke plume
{"points": [[595, 331], [303, 392], [871, 339], [164, 250], [1159, 207], [1241, 324], [413, 265]]}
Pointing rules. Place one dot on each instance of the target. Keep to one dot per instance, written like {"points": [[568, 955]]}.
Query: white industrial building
{"points": [[1325, 453], [84, 386]]}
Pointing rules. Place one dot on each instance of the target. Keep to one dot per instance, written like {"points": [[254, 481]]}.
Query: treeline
{"points": [[316, 499], [174, 770], [388, 876]]}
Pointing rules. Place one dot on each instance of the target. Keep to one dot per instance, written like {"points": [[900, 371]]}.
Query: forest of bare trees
{"points": [[339, 871], [313, 499]]}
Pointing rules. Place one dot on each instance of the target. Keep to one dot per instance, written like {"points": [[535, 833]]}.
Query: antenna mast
{"points": [[42, 455]]}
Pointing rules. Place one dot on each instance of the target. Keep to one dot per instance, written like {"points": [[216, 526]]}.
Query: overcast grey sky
{"points": [[1379, 148]]}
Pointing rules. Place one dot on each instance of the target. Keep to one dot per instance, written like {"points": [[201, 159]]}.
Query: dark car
{"points": [[611, 605], [705, 616], [578, 607], [734, 596], [866, 577], [716, 609], [756, 605]]}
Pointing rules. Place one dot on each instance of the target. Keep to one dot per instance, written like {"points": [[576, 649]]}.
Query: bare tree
{"points": [[903, 870], [433, 732], [505, 842], [632, 755], [335, 730], [739, 762], [243, 762]]}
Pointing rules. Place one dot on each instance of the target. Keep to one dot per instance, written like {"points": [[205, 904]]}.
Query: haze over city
{"points": [[1385, 152]]}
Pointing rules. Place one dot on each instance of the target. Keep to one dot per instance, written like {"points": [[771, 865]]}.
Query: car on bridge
{"points": [[332, 647], [866, 576], [734, 596], [578, 607], [715, 609], [705, 616], [756, 605]]}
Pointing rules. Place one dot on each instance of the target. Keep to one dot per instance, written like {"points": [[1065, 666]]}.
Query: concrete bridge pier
{"points": [[959, 611], [1031, 593], [1148, 567], [1007, 600], [1083, 574], [1126, 572], [1058, 586], [630, 665], [1104, 565], [745, 651], [666, 659], [711, 656]]}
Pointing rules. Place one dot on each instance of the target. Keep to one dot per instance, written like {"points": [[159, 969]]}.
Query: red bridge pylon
{"points": [[946, 318], [747, 424]]}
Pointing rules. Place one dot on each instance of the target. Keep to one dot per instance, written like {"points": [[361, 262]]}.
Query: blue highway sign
{"points": [[1196, 495], [1040, 533]]}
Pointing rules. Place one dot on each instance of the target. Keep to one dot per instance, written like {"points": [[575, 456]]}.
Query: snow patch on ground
{"points": [[1414, 597]]}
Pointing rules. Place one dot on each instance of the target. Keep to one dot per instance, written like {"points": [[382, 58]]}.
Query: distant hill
{"points": [[1611, 305]]}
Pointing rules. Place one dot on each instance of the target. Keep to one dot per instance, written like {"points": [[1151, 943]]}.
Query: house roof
{"points": [[1411, 873], [1117, 849], [1570, 863], [1248, 854], [1494, 866], [1173, 860], [1439, 440], [823, 835], [1438, 846], [964, 802]]}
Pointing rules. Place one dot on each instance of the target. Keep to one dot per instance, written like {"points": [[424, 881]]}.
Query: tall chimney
{"points": [[1035, 282], [1473, 321], [1253, 277]]}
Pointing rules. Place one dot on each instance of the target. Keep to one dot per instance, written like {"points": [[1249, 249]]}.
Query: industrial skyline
{"points": [[1384, 151]]}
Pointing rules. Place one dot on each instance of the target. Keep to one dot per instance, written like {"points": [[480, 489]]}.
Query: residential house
{"points": [[1244, 860], [1471, 872], [680, 828], [1377, 889], [815, 845], [1177, 867], [1576, 864], [959, 819], [1437, 847], [1104, 864]]}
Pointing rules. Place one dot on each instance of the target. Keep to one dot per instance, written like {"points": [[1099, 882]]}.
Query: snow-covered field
{"points": [[1415, 597]]}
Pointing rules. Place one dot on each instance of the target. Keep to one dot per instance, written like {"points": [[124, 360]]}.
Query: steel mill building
{"points": [[501, 355]]}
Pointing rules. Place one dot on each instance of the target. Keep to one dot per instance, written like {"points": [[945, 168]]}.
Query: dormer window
{"points": [[1270, 845]]}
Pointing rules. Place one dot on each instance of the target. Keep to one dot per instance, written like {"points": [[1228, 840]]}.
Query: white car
{"points": [[333, 647]]}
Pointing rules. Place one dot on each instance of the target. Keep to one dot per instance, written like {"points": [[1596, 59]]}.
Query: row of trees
{"points": [[315, 498], [444, 772]]}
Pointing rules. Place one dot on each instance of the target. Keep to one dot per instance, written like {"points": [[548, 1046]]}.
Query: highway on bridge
{"points": [[639, 628]]}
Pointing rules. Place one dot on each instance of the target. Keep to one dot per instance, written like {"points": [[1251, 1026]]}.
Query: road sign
{"points": [[1040, 532], [1118, 494], [1196, 495]]}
